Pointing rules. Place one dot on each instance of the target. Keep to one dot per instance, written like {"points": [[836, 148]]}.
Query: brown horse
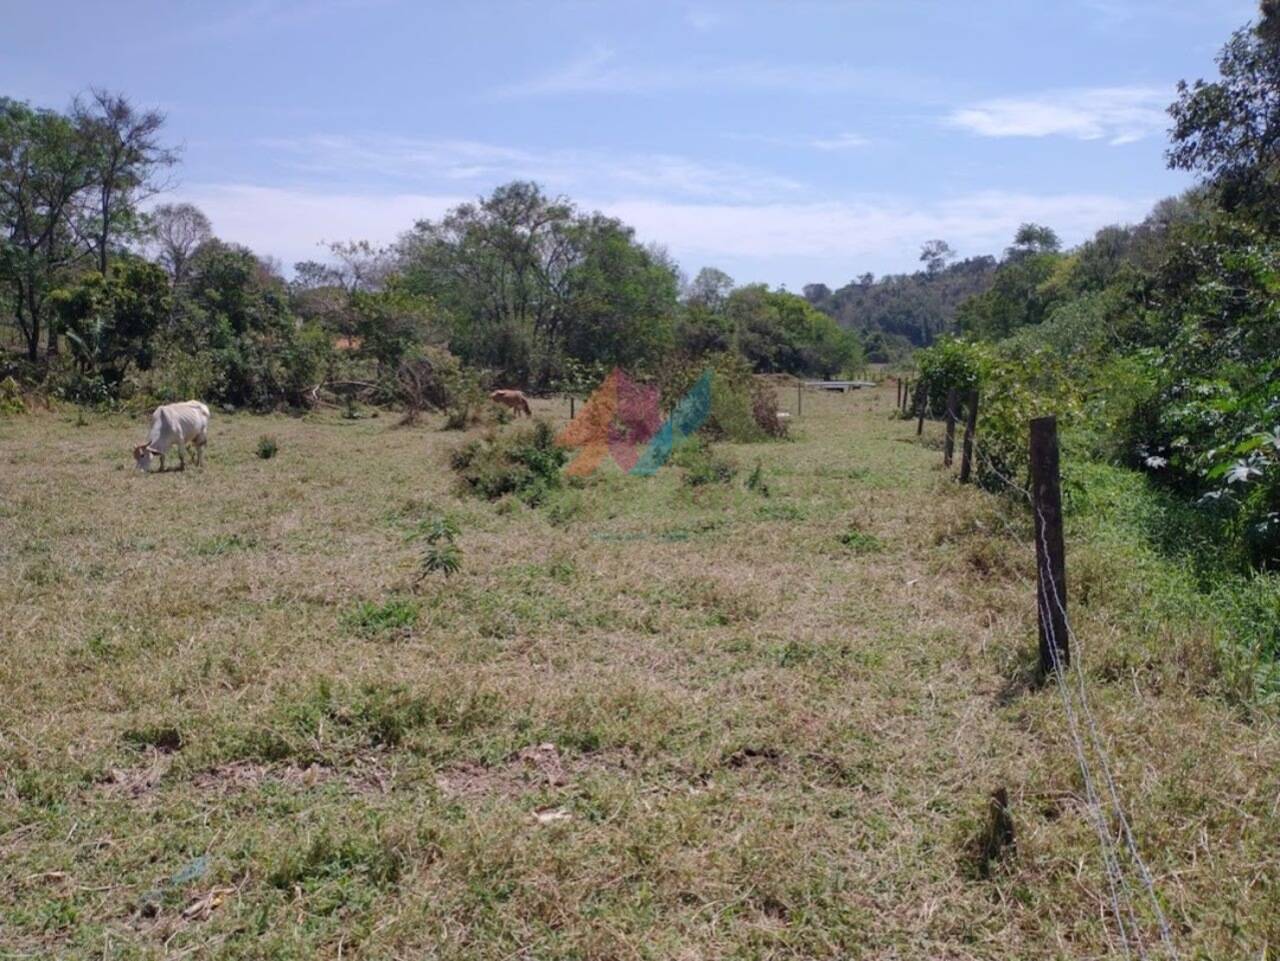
{"points": [[515, 399]]}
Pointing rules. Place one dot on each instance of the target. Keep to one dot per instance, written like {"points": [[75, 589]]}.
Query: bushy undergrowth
{"points": [[1169, 556], [525, 462], [744, 407], [701, 464]]}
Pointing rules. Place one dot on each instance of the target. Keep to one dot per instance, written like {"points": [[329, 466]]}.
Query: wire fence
{"points": [[1129, 879]]}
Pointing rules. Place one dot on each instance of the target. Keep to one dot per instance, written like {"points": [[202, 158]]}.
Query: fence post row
{"points": [[970, 425], [1051, 566], [949, 445]]}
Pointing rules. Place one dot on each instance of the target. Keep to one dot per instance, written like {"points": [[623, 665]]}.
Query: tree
{"points": [[780, 332], [177, 230], [1229, 130], [1033, 239], [46, 166], [111, 322], [234, 310], [936, 254], [525, 276], [128, 155], [710, 289]]}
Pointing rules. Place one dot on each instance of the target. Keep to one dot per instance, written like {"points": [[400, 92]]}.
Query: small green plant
{"points": [[756, 481], [457, 418], [267, 447], [441, 555], [443, 559], [702, 465], [11, 401], [860, 542], [369, 619], [221, 544]]}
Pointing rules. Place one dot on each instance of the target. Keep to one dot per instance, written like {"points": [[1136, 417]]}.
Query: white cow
{"points": [[175, 424]]}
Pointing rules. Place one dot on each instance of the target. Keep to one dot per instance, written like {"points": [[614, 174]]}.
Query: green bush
{"points": [[702, 465], [744, 408], [949, 364], [393, 616], [267, 447], [11, 401], [525, 462]]}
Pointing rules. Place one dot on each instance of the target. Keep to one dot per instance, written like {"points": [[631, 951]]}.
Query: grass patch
{"points": [[392, 616], [221, 544], [858, 541]]}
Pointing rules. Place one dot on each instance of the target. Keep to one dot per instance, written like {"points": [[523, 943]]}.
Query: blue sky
{"points": [[783, 142]]}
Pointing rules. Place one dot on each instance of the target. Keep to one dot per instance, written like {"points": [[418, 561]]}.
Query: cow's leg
{"points": [[182, 460]]}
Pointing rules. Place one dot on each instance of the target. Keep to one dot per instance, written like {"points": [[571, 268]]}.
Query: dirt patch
{"points": [[530, 769], [137, 781], [364, 774]]}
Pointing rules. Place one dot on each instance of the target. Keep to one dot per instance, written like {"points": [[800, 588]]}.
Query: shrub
{"points": [[702, 465], [11, 401], [267, 447], [948, 364], [525, 462], [431, 378], [860, 542], [743, 408], [764, 409], [371, 620]]}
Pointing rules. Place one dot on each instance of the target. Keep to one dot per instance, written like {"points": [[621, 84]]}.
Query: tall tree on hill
{"points": [[129, 156], [1229, 130], [936, 254], [46, 166], [177, 231]]}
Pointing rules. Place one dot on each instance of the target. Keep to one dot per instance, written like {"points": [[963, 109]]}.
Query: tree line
{"points": [[1157, 343], [112, 295]]}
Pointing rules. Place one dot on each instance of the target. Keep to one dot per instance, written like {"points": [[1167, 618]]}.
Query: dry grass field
{"points": [[644, 720]]}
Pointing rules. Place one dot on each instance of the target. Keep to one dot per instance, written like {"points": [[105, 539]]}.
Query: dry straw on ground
{"points": [[644, 720]]}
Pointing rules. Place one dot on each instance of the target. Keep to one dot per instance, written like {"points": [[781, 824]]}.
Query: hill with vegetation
{"points": [[894, 313]]}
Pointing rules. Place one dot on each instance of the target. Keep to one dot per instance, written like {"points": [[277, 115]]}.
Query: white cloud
{"points": [[1118, 114], [482, 165], [777, 242], [292, 223]]}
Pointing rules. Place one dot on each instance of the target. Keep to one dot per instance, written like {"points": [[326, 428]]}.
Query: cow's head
{"points": [[142, 455]]}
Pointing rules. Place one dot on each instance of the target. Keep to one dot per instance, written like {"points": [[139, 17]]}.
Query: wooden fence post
{"points": [[799, 397], [970, 425], [906, 394], [924, 407], [898, 402], [1051, 563], [571, 407], [949, 445]]}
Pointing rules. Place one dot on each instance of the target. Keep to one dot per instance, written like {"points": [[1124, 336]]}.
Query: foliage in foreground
{"points": [[524, 462]]}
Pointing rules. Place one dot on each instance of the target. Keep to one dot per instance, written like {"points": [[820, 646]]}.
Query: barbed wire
{"points": [[1086, 738]]}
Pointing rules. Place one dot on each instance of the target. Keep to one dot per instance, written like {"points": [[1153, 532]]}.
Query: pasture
{"points": [[643, 720]]}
